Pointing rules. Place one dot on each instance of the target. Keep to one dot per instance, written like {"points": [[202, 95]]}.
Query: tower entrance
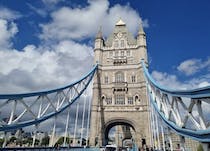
{"points": [[119, 88], [120, 132]]}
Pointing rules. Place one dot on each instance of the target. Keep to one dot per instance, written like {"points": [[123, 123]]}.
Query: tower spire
{"points": [[141, 30], [99, 34], [141, 37]]}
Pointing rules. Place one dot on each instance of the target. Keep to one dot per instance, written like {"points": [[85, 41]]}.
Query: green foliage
{"points": [[1, 142], [200, 148], [45, 141], [60, 141], [37, 142], [30, 140]]}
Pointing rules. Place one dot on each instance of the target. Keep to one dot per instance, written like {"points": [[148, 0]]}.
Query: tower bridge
{"points": [[125, 100]]}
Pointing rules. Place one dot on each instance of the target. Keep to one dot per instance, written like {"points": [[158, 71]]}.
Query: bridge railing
{"points": [[21, 110], [184, 111]]}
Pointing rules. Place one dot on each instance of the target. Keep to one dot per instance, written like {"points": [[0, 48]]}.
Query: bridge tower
{"points": [[119, 88]]}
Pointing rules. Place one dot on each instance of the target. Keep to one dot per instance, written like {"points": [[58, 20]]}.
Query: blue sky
{"points": [[45, 39]]}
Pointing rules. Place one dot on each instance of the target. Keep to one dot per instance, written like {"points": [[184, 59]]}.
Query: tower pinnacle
{"points": [[99, 34], [120, 23], [141, 30]]}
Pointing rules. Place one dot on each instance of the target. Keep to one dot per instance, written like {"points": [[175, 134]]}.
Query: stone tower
{"points": [[119, 88]]}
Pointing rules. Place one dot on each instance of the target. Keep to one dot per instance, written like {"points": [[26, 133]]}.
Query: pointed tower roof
{"points": [[141, 30], [120, 23], [120, 27], [99, 34]]}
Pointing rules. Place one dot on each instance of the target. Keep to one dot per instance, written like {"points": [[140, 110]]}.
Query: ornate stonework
{"points": [[119, 88]]}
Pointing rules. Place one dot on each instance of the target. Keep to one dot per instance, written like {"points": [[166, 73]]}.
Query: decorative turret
{"points": [[99, 34], [141, 37], [99, 43]]}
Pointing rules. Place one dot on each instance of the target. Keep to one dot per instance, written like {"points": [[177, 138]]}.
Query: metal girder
{"points": [[184, 111], [21, 110]]}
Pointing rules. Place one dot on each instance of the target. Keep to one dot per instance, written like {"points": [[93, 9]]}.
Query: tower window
{"points": [[128, 53], [122, 43], [110, 54], [119, 77], [116, 53], [106, 79], [136, 98], [122, 53], [116, 43], [108, 100], [120, 99], [133, 79], [130, 100]]}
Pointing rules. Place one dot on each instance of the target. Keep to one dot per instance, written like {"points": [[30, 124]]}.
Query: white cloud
{"points": [[43, 67], [7, 26], [51, 2], [172, 82], [79, 23], [192, 66], [40, 11], [8, 30], [167, 80], [60, 61], [8, 14], [204, 84], [32, 69]]}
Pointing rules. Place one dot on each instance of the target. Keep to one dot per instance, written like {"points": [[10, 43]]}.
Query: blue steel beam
{"points": [[193, 93], [52, 114], [200, 94]]}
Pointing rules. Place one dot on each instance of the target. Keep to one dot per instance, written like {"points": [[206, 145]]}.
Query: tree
{"points": [[1, 142], [60, 141], [200, 148], [45, 141]]}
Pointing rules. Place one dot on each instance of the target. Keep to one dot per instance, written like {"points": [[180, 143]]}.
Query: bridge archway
{"points": [[119, 122]]}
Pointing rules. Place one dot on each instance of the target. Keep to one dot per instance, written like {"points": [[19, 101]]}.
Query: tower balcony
{"points": [[119, 60], [119, 86]]}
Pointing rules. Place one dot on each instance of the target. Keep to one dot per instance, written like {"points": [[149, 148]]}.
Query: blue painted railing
{"points": [[42, 93], [199, 94]]}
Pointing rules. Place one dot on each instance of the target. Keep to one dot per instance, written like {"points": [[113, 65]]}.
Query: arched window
{"points": [[119, 77], [136, 98], [122, 43], [106, 80], [122, 53], [130, 100], [116, 43], [120, 99], [108, 100], [128, 53], [103, 98], [133, 78]]}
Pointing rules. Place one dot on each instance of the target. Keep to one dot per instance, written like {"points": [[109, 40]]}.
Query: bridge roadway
{"points": [[56, 149], [49, 149]]}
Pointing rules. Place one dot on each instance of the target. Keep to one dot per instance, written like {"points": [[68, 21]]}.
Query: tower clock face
{"points": [[119, 35]]}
